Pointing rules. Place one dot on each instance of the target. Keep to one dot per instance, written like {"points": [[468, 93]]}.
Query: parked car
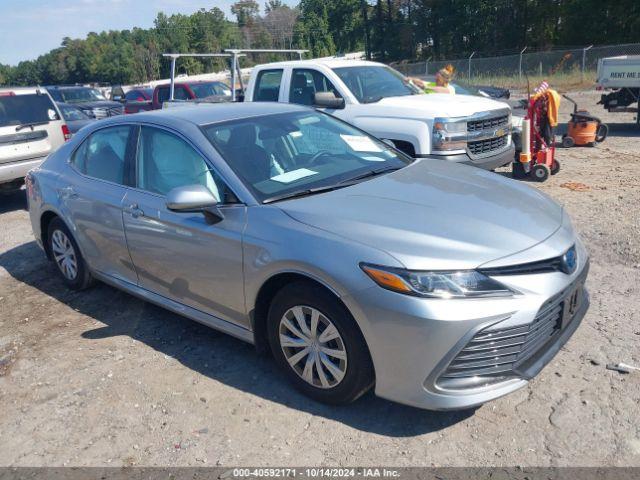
{"points": [[373, 96], [90, 100], [31, 127], [443, 285], [138, 100], [74, 117], [213, 92]]}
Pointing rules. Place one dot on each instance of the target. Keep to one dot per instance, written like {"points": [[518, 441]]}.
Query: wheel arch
{"points": [[267, 292], [45, 220]]}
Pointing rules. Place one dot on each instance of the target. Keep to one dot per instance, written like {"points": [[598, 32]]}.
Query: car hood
{"points": [[437, 105], [435, 215]]}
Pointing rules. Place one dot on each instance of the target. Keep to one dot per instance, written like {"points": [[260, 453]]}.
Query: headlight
{"points": [[449, 134], [436, 284]]}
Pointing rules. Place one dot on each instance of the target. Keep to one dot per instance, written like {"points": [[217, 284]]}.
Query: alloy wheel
{"points": [[64, 255], [313, 346]]}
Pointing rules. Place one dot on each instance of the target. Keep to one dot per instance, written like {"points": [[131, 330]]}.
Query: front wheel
{"points": [[67, 257], [555, 167], [318, 345]]}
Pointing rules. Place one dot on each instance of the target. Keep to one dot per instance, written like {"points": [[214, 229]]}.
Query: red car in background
{"points": [[183, 91], [138, 100]]}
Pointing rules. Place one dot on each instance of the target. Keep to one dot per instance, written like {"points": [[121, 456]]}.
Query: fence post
{"points": [[520, 65], [426, 66], [470, 57], [584, 58]]}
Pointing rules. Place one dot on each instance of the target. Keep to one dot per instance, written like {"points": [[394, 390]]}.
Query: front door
{"points": [[179, 255]]}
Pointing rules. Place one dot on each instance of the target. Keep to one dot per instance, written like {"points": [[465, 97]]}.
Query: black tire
{"points": [[568, 142], [359, 375], [82, 278], [540, 172], [555, 167]]}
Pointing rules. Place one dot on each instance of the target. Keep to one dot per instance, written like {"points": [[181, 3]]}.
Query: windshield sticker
{"points": [[52, 114], [309, 120], [374, 159], [295, 134], [360, 143], [293, 175]]}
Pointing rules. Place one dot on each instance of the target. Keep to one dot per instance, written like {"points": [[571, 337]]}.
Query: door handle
{"points": [[134, 210]]}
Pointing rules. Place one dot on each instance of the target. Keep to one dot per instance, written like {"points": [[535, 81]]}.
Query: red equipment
{"points": [[538, 150]]}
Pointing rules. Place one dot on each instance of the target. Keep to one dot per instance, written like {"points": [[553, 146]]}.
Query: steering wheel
{"points": [[318, 155]]}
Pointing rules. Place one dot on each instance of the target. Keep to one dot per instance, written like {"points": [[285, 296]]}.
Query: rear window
{"points": [[267, 87], [25, 109]]}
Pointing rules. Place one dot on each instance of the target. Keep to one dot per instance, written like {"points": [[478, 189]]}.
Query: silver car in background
{"points": [[443, 285]]}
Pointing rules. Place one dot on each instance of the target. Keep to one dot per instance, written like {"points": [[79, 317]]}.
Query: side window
{"points": [[102, 155], [267, 87], [181, 93], [163, 95], [305, 83], [165, 162]]}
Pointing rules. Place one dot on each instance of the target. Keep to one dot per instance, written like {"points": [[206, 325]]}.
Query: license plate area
{"points": [[571, 304]]}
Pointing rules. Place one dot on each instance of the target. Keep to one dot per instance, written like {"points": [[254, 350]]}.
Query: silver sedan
{"points": [[442, 285]]}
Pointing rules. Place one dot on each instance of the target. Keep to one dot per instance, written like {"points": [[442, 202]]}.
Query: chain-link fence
{"points": [[567, 67]]}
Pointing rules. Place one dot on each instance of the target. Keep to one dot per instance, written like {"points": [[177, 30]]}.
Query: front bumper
{"points": [[490, 162], [413, 340]]}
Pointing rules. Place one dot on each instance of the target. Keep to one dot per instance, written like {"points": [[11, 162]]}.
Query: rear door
{"points": [[91, 194], [177, 254], [28, 124]]}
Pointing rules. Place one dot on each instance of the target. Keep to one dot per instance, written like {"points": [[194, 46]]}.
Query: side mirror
{"points": [[194, 198], [328, 100]]}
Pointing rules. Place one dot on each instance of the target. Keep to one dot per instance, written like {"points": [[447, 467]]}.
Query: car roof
{"points": [[205, 114], [327, 62], [22, 90]]}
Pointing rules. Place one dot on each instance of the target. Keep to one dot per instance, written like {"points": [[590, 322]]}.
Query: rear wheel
{"points": [[540, 172], [317, 344], [67, 257]]}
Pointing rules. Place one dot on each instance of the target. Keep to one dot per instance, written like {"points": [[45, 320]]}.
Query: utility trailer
{"points": [[620, 75]]}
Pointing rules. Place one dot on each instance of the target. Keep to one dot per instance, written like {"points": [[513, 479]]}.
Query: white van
{"points": [[31, 127]]}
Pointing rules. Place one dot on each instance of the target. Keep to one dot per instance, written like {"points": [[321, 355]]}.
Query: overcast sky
{"points": [[29, 28]]}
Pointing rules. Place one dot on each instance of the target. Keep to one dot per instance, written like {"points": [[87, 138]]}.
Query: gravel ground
{"points": [[100, 378]]}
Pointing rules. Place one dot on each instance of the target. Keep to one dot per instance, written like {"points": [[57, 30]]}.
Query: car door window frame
{"points": [[260, 74], [312, 71], [133, 172], [130, 149]]}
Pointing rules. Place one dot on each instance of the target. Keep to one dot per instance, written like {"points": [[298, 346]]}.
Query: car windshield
{"points": [[26, 109], [80, 95], [72, 113], [372, 83], [283, 155], [203, 90]]}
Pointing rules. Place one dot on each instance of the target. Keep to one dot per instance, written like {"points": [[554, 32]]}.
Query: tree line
{"points": [[388, 30]]}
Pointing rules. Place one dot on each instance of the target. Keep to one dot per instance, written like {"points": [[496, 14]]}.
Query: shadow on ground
{"points": [[13, 201], [211, 353]]}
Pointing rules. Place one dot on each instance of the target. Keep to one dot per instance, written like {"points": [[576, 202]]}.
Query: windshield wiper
{"points": [[27, 125], [302, 193], [371, 173]]}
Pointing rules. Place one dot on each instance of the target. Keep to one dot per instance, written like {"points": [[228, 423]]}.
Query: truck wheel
{"points": [[540, 172], [555, 167], [317, 344], [567, 142]]}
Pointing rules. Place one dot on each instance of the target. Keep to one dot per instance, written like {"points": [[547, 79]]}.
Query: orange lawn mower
{"points": [[537, 157], [583, 128]]}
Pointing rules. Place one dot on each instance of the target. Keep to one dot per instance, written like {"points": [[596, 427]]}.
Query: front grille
{"points": [[487, 124], [543, 266], [482, 147]]}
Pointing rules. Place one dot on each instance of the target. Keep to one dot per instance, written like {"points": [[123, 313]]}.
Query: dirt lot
{"points": [[101, 378]]}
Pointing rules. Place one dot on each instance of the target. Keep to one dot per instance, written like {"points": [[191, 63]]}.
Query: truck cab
{"points": [[381, 101]]}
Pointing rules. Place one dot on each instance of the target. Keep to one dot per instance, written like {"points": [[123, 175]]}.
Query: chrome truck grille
{"points": [[487, 123], [493, 354], [487, 135]]}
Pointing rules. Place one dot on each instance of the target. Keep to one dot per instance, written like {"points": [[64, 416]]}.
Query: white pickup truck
{"points": [[380, 100], [620, 75]]}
